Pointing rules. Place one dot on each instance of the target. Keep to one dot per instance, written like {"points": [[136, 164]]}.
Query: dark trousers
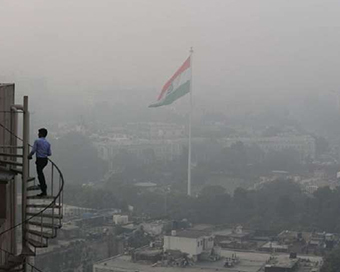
{"points": [[41, 164]]}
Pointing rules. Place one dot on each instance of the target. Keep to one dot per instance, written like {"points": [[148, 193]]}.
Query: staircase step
{"points": [[13, 263], [11, 162], [43, 234], [40, 197], [46, 215], [44, 225], [33, 188], [36, 243], [26, 251], [16, 171], [42, 206], [8, 267], [18, 259], [11, 155]]}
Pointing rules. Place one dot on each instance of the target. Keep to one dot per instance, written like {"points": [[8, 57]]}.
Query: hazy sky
{"points": [[271, 47]]}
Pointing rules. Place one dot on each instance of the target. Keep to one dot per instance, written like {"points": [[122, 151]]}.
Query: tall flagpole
{"points": [[190, 120]]}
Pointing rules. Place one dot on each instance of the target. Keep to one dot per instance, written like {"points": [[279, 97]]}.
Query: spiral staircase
{"points": [[41, 216]]}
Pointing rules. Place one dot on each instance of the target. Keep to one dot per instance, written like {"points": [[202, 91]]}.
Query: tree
{"points": [[332, 262], [78, 158], [285, 207]]}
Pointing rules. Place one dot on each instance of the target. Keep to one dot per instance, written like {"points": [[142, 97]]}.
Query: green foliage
{"points": [[78, 158], [89, 197], [332, 262], [276, 206]]}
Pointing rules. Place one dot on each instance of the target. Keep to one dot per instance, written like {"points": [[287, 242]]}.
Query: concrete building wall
{"points": [[8, 188], [79, 255], [209, 243], [191, 246], [120, 219]]}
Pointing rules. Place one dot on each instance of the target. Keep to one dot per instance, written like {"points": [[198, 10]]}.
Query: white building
{"points": [[192, 242], [146, 150], [120, 219], [304, 144]]}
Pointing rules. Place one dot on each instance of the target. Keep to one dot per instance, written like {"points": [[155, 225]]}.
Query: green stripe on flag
{"points": [[178, 93]]}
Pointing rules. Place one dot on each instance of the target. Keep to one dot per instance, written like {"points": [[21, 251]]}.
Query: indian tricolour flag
{"points": [[177, 86]]}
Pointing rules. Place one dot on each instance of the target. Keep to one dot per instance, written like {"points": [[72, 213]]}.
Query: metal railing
{"points": [[58, 199], [44, 208]]}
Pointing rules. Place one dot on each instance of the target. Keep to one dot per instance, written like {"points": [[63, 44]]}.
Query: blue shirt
{"points": [[42, 148]]}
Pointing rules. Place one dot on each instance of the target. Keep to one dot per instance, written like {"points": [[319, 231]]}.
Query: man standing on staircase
{"points": [[42, 149]]}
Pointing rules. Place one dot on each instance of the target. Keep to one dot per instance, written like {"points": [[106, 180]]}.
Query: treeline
{"points": [[276, 206], [332, 261]]}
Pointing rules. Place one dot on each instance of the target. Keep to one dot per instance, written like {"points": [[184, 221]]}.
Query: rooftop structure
{"points": [[282, 265], [245, 261], [274, 247], [192, 242]]}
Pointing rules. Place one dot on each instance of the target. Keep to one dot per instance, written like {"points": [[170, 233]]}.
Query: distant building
{"points": [[154, 228], [234, 238], [120, 219], [192, 242], [282, 265], [274, 247], [311, 189], [303, 144], [145, 150], [74, 211], [156, 130], [153, 259]]}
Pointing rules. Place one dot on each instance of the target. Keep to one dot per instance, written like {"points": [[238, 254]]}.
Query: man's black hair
{"points": [[43, 132]]}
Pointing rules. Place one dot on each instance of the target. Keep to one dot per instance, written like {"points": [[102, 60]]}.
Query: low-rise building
{"points": [[119, 219], [274, 247], [282, 265], [153, 259], [192, 242]]}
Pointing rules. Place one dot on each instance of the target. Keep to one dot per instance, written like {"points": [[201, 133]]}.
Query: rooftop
{"points": [[225, 232], [190, 233], [203, 227], [249, 262], [285, 262], [145, 184], [275, 245]]}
